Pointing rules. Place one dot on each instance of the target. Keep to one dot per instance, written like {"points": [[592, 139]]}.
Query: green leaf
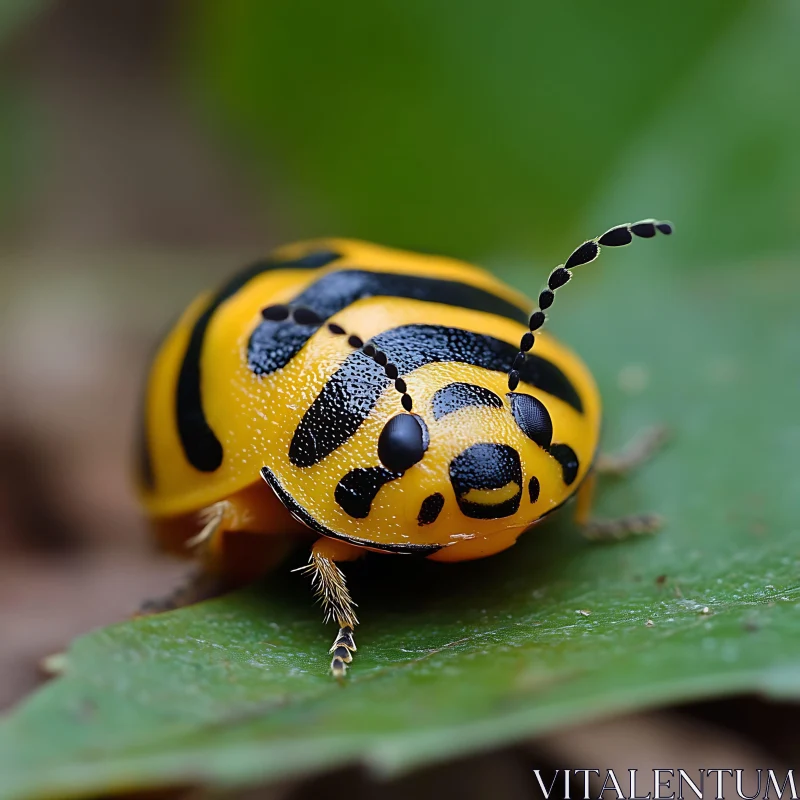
{"points": [[487, 129], [723, 153], [457, 658]]}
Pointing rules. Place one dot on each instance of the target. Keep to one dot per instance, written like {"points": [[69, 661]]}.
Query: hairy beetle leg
{"points": [[331, 590], [638, 450], [211, 518], [615, 530]]}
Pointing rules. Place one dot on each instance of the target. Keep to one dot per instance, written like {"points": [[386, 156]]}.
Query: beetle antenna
{"points": [[301, 315], [380, 358], [618, 236]]}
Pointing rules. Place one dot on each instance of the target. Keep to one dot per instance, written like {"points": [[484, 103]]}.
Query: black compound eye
{"points": [[403, 442], [532, 417]]}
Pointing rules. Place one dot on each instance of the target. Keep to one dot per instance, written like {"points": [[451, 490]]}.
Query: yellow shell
{"points": [[438, 320]]}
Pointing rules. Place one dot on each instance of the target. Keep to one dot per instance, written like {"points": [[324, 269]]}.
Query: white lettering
{"points": [[586, 780], [658, 784], [740, 788], [616, 787], [546, 792], [698, 790], [789, 777], [720, 778], [633, 795]]}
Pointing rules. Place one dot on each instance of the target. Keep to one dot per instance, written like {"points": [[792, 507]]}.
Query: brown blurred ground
{"points": [[123, 179]]}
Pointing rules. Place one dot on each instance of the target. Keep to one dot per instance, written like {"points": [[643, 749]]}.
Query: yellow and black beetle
{"points": [[384, 400]]}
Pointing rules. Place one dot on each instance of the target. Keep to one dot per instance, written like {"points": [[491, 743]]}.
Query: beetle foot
{"points": [[343, 648], [615, 530]]}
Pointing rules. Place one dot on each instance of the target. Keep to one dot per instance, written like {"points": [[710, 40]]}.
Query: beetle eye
{"points": [[532, 417], [403, 442]]}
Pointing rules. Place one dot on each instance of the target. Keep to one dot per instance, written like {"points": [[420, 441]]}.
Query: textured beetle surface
{"points": [[390, 401], [232, 392]]}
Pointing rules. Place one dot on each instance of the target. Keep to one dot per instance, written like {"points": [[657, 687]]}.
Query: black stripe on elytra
{"points": [[273, 344], [351, 392], [201, 446], [300, 514], [355, 491], [455, 396], [486, 466]]}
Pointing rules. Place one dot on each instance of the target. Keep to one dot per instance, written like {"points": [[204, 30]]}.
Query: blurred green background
{"points": [[487, 130], [150, 147]]}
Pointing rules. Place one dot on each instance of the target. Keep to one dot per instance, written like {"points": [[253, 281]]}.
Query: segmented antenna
{"points": [[618, 236], [307, 316]]}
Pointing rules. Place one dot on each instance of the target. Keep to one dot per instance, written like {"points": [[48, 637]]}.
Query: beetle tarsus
{"points": [[615, 530], [342, 649]]}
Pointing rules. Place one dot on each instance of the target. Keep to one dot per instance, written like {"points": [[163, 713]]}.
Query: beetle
{"points": [[381, 400]]}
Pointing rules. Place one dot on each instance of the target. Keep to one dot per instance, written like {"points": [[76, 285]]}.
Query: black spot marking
{"points": [[558, 277], [486, 466], [454, 396], [582, 255], [430, 509], [272, 346], [533, 418], [568, 459], [356, 490], [200, 445], [533, 489], [403, 442], [616, 237], [299, 513], [275, 313], [306, 316], [647, 230], [351, 392]]}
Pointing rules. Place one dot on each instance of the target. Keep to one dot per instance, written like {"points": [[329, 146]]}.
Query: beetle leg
{"points": [[609, 530], [638, 450], [211, 518], [331, 589], [198, 585]]}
